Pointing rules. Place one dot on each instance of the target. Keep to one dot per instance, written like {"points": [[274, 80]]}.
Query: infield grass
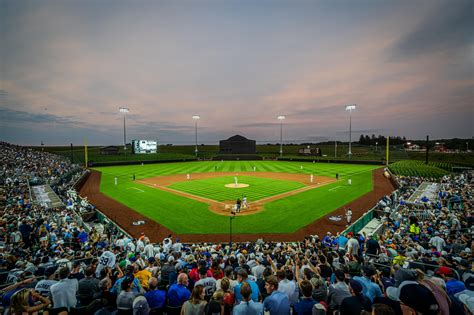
{"points": [[187, 216], [214, 188]]}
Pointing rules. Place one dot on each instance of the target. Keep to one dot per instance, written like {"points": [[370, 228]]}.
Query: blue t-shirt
{"points": [[304, 307], [253, 286], [177, 295], [156, 298], [342, 241], [248, 308], [277, 303]]}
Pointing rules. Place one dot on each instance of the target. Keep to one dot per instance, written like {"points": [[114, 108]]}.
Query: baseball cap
{"points": [[415, 296]]}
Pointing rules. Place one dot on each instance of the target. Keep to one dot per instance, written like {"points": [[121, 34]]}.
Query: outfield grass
{"points": [[186, 216], [214, 188]]}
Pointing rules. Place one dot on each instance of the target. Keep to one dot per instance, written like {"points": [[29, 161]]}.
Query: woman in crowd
{"points": [[24, 302], [197, 303]]}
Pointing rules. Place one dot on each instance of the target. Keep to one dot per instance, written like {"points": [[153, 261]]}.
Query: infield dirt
{"points": [[225, 207]]}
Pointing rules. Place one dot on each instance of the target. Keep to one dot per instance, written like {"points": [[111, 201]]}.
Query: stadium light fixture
{"points": [[196, 118], [281, 118], [124, 111], [350, 108]]}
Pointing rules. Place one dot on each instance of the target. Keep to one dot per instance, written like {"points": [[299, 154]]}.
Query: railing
{"points": [[104, 219], [360, 223]]}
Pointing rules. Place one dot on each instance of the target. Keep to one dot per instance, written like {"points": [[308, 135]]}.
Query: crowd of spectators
{"points": [[51, 262]]}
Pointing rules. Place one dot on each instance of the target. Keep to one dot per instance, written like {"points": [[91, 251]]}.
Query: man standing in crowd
{"points": [[242, 276], [352, 245], [247, 306], [208, 283], [178, 293], [277, 303], [64, 292]]}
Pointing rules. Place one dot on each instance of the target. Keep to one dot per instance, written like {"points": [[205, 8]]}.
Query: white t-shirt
{"points": [[149, 251], [43, 287], [353, 246]]}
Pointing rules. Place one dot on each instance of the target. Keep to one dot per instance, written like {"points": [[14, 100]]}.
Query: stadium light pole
{"points": [[281, 118], [196, 118], [350, 108], [124, 111]]}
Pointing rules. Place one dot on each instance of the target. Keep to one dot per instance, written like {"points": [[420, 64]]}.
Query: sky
{"points": [[67, 66]]}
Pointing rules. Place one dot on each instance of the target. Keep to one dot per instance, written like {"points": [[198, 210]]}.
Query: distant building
{"points": [[237, 145], [109, 150], [412, 147]]}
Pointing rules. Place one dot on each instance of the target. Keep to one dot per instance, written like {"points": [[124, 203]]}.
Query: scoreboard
{"points": [[144, 146]]}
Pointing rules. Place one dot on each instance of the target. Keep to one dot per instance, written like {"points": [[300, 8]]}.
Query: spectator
{"points": [[305, 306], [156, 298], [356, 303], [248, 306], [369, 289], [207, 282], [178, 293], [126, 297], [197, 303], [277, 303], [241, 278], [338, 291], [88, 287], [64, 292], [23, 301]]}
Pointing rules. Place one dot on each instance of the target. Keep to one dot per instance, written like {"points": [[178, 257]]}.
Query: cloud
{"points": [[16, 116], [449, 27], [363, 131], [259, 125]]}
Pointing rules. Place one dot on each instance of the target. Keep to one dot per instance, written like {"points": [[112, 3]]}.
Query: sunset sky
{"points": [[67, 66]]}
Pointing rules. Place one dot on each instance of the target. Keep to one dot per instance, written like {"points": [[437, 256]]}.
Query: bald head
{"points": [[183, 278], [152, 283]]}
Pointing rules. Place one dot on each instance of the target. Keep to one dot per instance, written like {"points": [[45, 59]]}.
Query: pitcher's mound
{"points": [[236, 185]]}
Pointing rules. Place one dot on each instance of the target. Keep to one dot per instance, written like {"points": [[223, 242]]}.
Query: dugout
{"points": [[237, 145]]}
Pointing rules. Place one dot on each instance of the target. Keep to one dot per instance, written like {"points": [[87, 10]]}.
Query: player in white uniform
{"points": [[349, 216]]}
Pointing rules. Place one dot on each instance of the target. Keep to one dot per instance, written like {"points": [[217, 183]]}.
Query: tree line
{"points": [[380, 140]]}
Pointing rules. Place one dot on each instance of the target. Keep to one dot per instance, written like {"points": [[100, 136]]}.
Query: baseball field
{"points": [[198, 197]]}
